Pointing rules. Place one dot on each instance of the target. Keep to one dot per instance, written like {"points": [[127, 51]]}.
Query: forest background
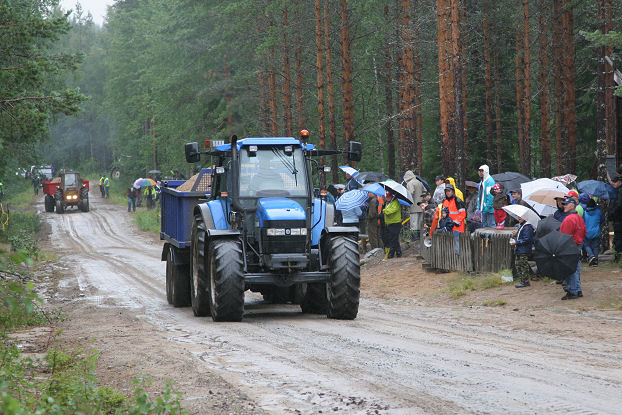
{"points": [[437, 86]]}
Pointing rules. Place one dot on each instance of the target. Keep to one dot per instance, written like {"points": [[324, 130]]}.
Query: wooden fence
{"points": [[486, 250]]}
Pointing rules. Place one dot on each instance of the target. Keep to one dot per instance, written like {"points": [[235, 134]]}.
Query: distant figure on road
{"points": [[150, 197], [107, 186], [101, 185], [132, 194], [36, 182]]}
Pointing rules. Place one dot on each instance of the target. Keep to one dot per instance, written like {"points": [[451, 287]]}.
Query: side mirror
{"points": [[192, 152], [355, 151]]}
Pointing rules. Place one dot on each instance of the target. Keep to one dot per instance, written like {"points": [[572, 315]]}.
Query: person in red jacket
{"points": [[574, 226], [457, 210]]}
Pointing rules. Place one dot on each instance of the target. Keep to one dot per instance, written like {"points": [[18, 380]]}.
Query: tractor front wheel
{"points": [[314, 300], [199, 280], [344, 288], [226, 280], [84, 206], [59, 207]]}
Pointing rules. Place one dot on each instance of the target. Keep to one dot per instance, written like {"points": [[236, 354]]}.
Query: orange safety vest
{"points": [[457, 213]]}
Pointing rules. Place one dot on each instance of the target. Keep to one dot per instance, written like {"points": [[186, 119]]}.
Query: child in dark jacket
{"points": [[524, 238], [446, 224], [500, 200], [593, 218]]}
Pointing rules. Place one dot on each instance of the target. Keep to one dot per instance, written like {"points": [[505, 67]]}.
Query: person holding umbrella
{"points": [[392, 213], [574, 226], [523, 238]]}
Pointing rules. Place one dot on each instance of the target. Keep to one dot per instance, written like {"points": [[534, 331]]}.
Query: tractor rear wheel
{"points": [[226, 280], [314, 300], [199, 280], [49, 203], [177, 282], [344, 287]]}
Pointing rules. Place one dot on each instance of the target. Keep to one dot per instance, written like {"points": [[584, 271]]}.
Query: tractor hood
{"points": [[271, 209]]}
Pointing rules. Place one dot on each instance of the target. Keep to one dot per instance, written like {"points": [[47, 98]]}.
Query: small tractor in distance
{"points": [[261, 227], [66, 190]]}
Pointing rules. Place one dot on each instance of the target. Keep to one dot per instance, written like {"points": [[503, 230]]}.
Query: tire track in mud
{"points": [[86, 249]]}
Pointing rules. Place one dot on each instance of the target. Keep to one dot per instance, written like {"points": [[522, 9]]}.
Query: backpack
{"points": [[592, 222]]}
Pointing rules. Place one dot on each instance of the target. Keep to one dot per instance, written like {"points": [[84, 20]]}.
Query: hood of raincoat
{"points": [[486, 171], [409, 175]]}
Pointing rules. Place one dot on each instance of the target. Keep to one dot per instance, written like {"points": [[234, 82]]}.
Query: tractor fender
{"points": [[204, 210], [328, 232], [323, 217], [180, 256], [213, 214], [223, 233]]}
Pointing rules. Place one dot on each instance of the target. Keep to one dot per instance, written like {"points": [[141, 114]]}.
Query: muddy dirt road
{"points": [[395, 358]]}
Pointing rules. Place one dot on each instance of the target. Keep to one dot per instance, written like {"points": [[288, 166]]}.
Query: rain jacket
{"points": [[574, 226], [593, 217], [457, 191], [351, 216], [484, 197], [439, 194], [457, 212], [352, 184], [416, 189], [446, 224], [525, 238], [392, 213]]}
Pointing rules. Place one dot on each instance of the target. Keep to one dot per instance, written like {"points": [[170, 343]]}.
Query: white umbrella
{"points": [[529, 188], [400, 191], [524, 212], [349, 170], [547, 196]]}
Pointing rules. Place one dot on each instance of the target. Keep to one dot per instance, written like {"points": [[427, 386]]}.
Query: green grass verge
{"points": [[494, 303], [146, 219], [460, 286]]}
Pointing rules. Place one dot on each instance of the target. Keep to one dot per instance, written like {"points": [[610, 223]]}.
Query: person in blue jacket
{"points": [[593, 218], [523, 240]]}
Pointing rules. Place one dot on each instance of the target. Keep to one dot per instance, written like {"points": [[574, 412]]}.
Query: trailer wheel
{"points": [[49, 203], [344, 287], [314, 300], [59, 207], [199, 295], [177, 282], [226, 280]]}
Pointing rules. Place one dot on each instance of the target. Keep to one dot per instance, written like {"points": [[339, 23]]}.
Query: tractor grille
{"points": [[284, 244]]}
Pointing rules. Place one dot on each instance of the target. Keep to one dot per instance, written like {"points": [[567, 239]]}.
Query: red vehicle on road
{"points": [[66, 190]]}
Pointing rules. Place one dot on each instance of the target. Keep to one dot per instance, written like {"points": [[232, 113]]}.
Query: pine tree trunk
{"points": [[520, 89], [301, 115], [418, 95], [488, 84], [601, 121], [346, 76], [446, 90], [526, 113], [263, 103], [407, 136], [332, 127], [286, 86], [388, 93], [459, 92], [545, 115], [560, 148], [610, 102], [320, 76], [498, 109], [570, 119]]}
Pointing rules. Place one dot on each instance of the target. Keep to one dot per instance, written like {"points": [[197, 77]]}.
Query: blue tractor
{"points": [[262, 227]]}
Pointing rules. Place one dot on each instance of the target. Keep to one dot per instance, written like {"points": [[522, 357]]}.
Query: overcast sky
{"points": [[96, 7]]}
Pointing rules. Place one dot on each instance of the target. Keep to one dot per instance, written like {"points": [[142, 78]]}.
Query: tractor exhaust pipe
{"points": [[235, 178]]}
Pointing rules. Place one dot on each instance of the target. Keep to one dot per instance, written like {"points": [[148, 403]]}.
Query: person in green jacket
{"points": [[392, 213]]}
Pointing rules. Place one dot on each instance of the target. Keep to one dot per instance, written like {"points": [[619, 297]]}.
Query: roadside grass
{"points": [[494, 303], [146, 219], [458, 287]]}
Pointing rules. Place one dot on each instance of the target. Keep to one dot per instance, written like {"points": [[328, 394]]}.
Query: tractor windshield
{"points": [[70, 180], [272, 172]]}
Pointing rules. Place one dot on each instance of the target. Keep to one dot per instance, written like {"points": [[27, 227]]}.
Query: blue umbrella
{"points": [[377, 189], [598, 189], [352, 199]]}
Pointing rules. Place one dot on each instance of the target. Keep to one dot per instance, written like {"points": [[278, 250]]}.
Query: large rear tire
{"points": [[177, 282], [226, 280], [314, 300], [344, 287], [49, 203], [199, 282]]}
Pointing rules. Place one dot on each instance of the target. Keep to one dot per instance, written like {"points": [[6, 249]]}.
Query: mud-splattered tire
{"points": [[226, 280], [59, 207], [344, 288], [49, 203], [177, 282], [84, 206], [199, 281], [314, 300]]}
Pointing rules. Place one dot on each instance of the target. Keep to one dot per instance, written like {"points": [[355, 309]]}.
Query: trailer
{"points": [[177, 209]]}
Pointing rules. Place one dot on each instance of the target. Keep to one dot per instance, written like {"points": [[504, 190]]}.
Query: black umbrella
{"points": [[556, 255], [371, 176], [547, 225], [511, 180]]}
